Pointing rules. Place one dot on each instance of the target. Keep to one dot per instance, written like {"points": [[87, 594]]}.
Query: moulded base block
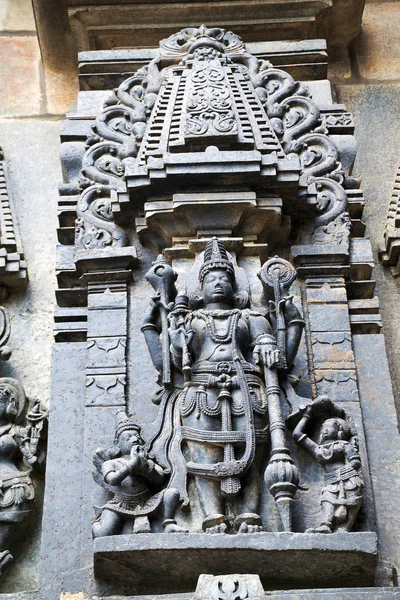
{"points": [[166, 563]]}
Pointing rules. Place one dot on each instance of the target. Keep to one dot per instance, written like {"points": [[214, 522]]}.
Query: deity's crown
{"points": [[125, 423], [215, 257]]}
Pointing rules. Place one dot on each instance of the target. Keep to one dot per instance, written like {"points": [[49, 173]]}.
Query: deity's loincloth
{"points": [[15, 492], [343, 487], [134, 505]]}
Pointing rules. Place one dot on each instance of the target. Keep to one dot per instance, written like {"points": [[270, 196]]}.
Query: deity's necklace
{"points": [[233, 318]]}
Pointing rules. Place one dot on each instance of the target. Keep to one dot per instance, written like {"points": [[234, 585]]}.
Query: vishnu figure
{"points": [[222, 350]]}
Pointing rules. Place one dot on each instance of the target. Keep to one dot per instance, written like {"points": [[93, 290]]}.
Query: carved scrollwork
{"points": [[331, 201], [102, 164], [273, 86], [95, 227], [297, 122], [117, 135], [179, 43], [5, 330], [210, 103], [318, 155], [335, 232], [229, 589], [119, 124], [300, 116]]}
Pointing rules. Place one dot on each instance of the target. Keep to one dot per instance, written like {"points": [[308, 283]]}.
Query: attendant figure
{"points": [[136, 481], [337, 452], [19, 454]]}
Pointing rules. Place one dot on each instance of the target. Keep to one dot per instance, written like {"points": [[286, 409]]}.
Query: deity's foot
{"points": [[324, 528], [5, 559], [170, 526], [215, 524], [248, 523]]}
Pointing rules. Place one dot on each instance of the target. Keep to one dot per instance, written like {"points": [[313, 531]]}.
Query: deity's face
{"points": [[127, 439], [330, 430], [217, 287]]}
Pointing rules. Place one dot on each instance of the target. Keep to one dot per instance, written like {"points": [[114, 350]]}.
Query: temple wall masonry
{"points": [[35, 97]]}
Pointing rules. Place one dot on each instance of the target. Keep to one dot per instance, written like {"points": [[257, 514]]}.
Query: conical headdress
{"points": [[215, 257], [124, 423]]}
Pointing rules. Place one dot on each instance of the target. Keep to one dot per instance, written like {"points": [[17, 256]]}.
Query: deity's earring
{"points": [[240, 299], [12, 407]]}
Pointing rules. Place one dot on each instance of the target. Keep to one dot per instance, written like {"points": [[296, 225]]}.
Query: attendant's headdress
{"points": [[125, 423]]}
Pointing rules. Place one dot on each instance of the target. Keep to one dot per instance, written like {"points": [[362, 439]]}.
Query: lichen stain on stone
{"points": [[69, 596]]}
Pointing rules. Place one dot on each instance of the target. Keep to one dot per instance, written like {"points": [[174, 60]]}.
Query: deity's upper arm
{"points": [[258, 325]]}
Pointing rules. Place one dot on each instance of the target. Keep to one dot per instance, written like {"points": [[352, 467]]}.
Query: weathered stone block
{"points": [[16, 15], [329, 317], [379, 55], [61, 90], [20, 64], [346, 558]]}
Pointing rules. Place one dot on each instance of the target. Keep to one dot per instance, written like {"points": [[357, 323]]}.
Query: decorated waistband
{"points": [[341, 474]]}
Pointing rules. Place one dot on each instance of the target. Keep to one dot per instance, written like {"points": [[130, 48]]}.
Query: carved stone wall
{"points": [[367, 85], [207, 140]]}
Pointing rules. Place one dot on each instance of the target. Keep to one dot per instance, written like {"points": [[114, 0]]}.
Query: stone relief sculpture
{"points": [[209, 93], [336, 451], [136, 481], [219, 367], [20, 453]]}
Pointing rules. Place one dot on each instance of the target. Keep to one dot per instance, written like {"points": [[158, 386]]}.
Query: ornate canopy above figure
{"points": [[207, 125]]}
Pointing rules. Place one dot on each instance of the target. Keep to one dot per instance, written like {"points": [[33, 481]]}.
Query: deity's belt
{"points": [[121, 496], [212, 380], [226, 366], [341, 474], [227, 375]]}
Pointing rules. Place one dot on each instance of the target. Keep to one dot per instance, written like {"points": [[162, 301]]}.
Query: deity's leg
{"points": [[248, 501], [328, 511], [209, 490], [110, 523], [352, 512]]}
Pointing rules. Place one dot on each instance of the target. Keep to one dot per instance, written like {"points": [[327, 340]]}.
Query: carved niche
{"points": [[246, 425]]}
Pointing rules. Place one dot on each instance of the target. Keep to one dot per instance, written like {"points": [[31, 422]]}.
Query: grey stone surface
{"points": [[33, 172], [376, 109], [332, 594], [181, 558], [61, 534], [381, 433]]}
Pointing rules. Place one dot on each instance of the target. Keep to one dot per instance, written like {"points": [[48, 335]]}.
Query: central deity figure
{"points": [[223, 352]]}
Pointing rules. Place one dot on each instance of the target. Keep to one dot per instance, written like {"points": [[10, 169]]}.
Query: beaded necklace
{"points": [[227, 336]]}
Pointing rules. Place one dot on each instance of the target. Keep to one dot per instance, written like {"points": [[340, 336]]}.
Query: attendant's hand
{"points": [[138, 460]]}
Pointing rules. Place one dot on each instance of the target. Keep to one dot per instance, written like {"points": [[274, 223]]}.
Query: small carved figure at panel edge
{"points": [[337, 452], [219, 367], [136, 480], [19, 445]]}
